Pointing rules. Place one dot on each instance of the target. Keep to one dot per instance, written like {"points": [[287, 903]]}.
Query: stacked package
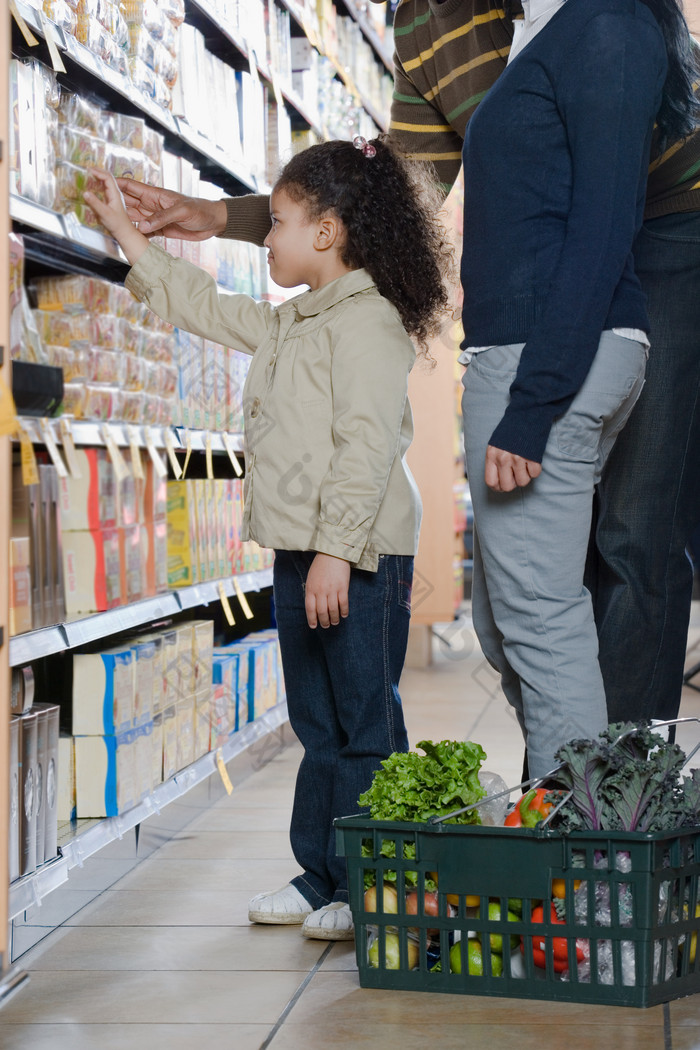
{"points": [[36, 566], [204, 532], [116, 355], [141, 712], [34, 775], [113, 534], [248, 681], [136, 38]]}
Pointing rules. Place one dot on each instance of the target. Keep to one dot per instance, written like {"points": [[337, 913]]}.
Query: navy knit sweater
{"points": [[555, 166]]}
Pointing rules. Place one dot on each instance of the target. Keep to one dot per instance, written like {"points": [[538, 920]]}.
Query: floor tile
{"points": [[255, 947], [131, 1036], [195, 844], [153, 997]]}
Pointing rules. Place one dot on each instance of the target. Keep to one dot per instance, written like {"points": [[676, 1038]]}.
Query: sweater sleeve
{"points": [[421, 130], [248, 218], [188, 297], [608, 92]]}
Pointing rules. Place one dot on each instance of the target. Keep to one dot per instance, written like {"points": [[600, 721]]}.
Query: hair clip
{"points": [[368, 150]]}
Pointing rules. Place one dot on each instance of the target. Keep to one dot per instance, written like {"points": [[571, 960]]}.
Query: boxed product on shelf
{"points": [[202, 723], [157, 750], [202, 654], [21, 689], [92, 571], [13, 846], [170, 737], [182, 555], [227, 716], [158, 679], [47, 785], [221, 723], [28, 726], [105, 774], [103, 691], [147, 671], [184, 718], [65, 804], [131, 552], [90, 501], [143, 760], [53, 597], [20, 585], [40, 785], [185, 641]]}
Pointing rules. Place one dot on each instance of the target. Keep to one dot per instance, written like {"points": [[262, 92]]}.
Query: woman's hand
{"points": [[112, 214], [504, 471], [327, 590], [172, 214]]}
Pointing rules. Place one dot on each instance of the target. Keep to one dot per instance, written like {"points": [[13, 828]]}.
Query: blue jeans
{"points": [[648, 502], [344, 704]]}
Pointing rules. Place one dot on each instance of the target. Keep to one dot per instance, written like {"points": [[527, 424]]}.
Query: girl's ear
{"points": [[328, 233]]}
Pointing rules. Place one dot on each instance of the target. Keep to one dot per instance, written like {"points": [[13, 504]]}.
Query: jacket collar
{"points": [[310, 303]]}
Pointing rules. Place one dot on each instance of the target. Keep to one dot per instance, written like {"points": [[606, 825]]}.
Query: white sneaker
{"points": [[284, 907], [332, 922]]}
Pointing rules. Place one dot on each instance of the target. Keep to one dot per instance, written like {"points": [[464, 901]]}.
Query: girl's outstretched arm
{"points": [[112, 214]]}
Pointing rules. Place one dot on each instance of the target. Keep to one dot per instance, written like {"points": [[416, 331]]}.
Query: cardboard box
{"points": [[158, 680], [185, 659], [154, 546], [131, 562], [170, 727], [27, 794], [146, 680], [202, 654], [182, 566], [20, 586], [202, 723], [92, 571], [184, 717], [89, 502], [40, 784], [103, 692], [51, 714], [157, 750], [65, 801], [15, 768], [143, 760], [105, 775]]}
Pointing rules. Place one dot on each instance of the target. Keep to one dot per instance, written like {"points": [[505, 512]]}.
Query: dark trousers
{"points": [[344, 704], [648, 502]]}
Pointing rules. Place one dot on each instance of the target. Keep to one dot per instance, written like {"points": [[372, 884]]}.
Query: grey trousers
{"points": [[532, 614]]}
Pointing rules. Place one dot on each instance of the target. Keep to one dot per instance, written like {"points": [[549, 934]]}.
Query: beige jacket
{"points": [[327, 417]]}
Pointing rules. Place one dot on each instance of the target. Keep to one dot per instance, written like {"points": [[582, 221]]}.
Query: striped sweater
{"points": [[447, 56]]}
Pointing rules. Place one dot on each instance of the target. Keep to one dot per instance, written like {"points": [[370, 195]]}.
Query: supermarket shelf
{"points": [[86, 432], [48, 640], [32, 889], [370, 34], [66, 226]]}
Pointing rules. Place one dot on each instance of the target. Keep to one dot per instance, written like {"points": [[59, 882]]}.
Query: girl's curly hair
{"points": [[388, 207]]}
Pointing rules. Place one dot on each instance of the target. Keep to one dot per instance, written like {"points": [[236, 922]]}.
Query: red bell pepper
{"points": [[560, 945], [529, 810]]}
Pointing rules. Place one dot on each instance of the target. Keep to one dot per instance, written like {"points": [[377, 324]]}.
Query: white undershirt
{"points": [[537, 14]]}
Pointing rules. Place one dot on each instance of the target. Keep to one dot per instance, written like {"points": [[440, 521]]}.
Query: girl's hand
{"points": [[504, 471], [327, 590], [112, 214]]}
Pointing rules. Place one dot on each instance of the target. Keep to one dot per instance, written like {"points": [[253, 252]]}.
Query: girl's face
{"points": [[291, 243]]}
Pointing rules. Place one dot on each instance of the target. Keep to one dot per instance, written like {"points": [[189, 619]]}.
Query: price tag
{"points": [[277, 91], [136, 460], [221, 766], [170, 449], [118, 462], [242, 599], [69, 448], [188, 452], [24, 29], [228, 445], [253, 65], [160, 467], [30, 473], [49, 33], [208, 456], [52, 448], [226, 605]]}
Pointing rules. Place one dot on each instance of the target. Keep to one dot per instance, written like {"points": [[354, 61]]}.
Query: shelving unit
{"points": [[58, 243]]}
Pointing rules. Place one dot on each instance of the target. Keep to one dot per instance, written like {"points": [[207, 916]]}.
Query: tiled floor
{"points": [[167, 958]]}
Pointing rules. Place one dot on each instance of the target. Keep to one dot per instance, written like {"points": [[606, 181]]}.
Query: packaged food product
{"points": [[133, 406], [62, 14], [79, 147], [71, 359], [131, 335], [86, 216], [79, 112], [130, 131], [102, 402], [104, 366], [153, 144], [134, 372], [60, 328], [71, 183], [73, 400], [147, 13], [125, 163]]}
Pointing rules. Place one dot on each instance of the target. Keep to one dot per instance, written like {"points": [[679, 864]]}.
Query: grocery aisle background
{"points": [[167, 958]]}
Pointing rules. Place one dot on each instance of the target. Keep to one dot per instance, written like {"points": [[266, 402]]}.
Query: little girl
{"points": [[327, 425]]}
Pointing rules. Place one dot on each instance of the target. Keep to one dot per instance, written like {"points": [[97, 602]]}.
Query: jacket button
{"points": [[255, 408]]}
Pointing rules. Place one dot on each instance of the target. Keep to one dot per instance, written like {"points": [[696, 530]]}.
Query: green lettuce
{"points": [[412, 787]]}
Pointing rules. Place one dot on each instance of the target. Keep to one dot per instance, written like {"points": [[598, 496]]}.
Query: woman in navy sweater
{"points": [[555, 162]]}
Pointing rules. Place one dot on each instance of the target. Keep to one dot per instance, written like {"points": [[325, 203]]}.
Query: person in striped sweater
{"points": [[448, 53]]}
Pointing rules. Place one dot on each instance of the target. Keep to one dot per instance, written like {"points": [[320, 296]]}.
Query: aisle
{"points": [[167, 959]]}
